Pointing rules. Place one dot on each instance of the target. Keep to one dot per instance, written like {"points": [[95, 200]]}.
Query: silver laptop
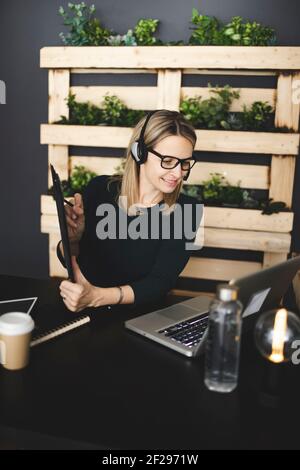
{"points": [[183, 326]]}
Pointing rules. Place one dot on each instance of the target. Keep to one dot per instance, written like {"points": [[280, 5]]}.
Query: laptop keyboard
{"points": [[188, 332]]}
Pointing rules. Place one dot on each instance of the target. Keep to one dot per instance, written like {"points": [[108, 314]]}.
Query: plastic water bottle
{"points": [[223, 340]]}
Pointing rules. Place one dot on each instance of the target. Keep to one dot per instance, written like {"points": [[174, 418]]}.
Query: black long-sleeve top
{"points": [[150, 266]]}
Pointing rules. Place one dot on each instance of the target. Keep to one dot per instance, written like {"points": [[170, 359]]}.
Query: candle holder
{"points": [[276, 333]]}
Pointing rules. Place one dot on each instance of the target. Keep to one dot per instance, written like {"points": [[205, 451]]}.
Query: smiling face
{"points": [[166, 180]]}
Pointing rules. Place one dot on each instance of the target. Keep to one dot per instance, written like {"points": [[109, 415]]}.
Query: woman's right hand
{"points": [[75, 219]]}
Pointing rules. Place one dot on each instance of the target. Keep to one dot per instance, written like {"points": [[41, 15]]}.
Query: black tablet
{"points": [[59, 199]]}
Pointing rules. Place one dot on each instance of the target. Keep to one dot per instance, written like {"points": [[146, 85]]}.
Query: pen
{"points": [[68, 202]]}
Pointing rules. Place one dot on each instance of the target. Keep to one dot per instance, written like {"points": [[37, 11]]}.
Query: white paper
{"points": [[256, 301], [17, 305]]}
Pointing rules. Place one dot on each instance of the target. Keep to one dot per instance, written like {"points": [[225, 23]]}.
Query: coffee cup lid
{"points": [[16, 323]]}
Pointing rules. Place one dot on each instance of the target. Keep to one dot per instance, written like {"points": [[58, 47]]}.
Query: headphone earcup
{"points": [[134, 150], [139, 152]]}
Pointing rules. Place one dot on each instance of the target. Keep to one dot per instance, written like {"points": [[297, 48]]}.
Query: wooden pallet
{"points": [[240, 229]]}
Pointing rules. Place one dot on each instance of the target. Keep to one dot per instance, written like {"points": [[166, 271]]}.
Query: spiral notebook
{"points": [[49, 322]]}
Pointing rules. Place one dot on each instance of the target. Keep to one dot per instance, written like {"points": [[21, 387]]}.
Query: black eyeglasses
{"points": [[171, 162]]}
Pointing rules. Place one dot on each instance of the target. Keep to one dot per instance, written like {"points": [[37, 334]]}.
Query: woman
{"points": [[131, 269]]}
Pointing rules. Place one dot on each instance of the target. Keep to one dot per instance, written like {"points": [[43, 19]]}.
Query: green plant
{"points": [[113, 110], [217, 191], [127, 39], [212, 189], [211, 113], [192, 190], [239, 33], [273, 207], [78, 180], [233, 122], [80, 177], [112, 113], [144, 30], [115, 113], [209, 31], [84, 30], [206, 31], [84, 114], [258, 117]]}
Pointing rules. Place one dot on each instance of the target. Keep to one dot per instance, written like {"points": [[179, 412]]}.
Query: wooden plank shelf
{"points": [[207, 140], [140, 97], [172, 57], [261, 237], [249, 176]]}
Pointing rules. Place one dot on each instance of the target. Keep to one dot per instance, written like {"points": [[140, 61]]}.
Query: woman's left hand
{"points": [[79, 294]]}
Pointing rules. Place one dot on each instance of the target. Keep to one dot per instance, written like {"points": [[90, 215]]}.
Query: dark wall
{"points": [[25, 27]]}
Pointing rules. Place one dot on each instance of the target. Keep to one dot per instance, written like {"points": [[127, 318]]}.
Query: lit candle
{"points": [[280, 325]]}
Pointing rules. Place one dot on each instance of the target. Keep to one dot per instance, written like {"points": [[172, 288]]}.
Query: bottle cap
{"points": [[227, 293]]}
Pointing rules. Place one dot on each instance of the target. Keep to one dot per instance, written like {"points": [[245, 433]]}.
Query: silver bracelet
{"points": [[121, 295]]}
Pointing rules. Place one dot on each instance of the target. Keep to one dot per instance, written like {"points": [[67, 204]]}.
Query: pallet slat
{"points": [[283, 167], [243, 219], [99, 165], [172, 57], [194, 71], [287, 111], [58, 89], [58, 156], [264, 239], [250, 176], [168, 86], [271, 258], [282, 178], [207, 141], [146, 98], [247, 240]]}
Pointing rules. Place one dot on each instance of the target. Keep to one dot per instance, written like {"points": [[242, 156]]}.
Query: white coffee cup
{"points": [[15, 335]]}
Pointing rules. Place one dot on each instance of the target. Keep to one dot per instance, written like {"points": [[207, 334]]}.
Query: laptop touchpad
{"points": [[177, 312]]}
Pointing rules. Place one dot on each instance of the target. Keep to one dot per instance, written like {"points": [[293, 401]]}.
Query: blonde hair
{"points": [[163, 123]]}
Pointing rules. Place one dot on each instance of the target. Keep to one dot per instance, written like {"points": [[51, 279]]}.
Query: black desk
{"points": [[102, 386]]}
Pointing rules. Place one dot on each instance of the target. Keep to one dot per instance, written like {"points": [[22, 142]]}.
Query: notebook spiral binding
{"points": [[50, 334]]}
